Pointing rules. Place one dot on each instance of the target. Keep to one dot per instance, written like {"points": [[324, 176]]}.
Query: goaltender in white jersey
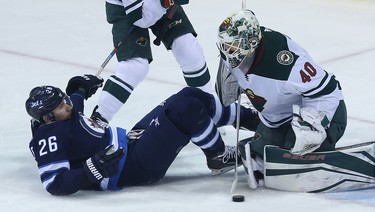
{"points": [[297, 100], [301, 107]]}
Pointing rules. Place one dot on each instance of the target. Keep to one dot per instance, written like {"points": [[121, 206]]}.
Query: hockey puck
{"points": [[238, 198]]}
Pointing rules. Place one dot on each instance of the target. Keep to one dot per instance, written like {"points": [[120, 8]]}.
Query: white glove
{"points": [[308, 127]]}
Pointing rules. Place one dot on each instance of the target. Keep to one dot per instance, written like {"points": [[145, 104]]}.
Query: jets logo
{"points": [[285, 57], [141, 41]]}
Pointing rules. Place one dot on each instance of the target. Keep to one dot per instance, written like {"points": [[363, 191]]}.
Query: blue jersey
{"points": [[61, 148]]}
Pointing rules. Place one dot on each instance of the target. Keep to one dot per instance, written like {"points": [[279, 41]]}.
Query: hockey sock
{"points": [[114, 95]]}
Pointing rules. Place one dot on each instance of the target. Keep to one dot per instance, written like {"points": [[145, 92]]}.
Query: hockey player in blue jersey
{"points": [[74, 153]]}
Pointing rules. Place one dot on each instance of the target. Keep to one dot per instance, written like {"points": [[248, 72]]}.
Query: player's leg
{"points": [[181, 39], [268, 136], [191, 117], [221, 116], [134, 55], [336, 129], [151, 154]]}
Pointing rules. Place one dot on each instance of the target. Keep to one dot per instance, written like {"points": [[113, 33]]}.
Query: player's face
{"points": [[64, 110], [231, 48]]}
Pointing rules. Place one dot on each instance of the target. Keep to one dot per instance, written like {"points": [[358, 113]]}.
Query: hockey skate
{"points": [[224, 162], [98, 119]]}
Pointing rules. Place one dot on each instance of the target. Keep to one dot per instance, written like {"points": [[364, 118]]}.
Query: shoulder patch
{"points": [[285, 57], [142, 41]]}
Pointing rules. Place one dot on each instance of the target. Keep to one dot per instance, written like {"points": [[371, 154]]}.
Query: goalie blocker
{"points": [[346, 168]]}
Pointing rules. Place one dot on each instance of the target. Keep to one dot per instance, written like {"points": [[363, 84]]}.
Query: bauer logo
{"points": [[285, 57], [311, 157]]}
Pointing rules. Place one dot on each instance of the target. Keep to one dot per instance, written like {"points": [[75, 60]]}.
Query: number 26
{"points": [[49, 145], [308, 72]]}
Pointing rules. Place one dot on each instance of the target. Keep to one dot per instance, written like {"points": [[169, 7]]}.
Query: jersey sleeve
{"points": [[318, 88], [50, 149], [77, 99]]}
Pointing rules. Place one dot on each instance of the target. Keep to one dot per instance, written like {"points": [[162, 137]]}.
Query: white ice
{"points": [[47, 42]]}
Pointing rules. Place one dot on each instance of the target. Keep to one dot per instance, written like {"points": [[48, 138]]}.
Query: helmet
{"points": [[43, 100], [238, 36]]}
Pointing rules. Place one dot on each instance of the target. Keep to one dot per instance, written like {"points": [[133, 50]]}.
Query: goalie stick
{"points": [[234, 184]]}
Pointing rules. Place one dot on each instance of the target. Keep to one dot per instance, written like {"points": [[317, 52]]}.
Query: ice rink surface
{"points": [[48, 42]]}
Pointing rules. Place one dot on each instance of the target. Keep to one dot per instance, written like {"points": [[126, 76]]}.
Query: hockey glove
{"points": [[309, 127], [226, 86], [88, 82], [103, 164]]}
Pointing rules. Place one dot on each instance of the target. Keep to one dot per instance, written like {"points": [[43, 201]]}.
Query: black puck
{"points": [[238, 198]]}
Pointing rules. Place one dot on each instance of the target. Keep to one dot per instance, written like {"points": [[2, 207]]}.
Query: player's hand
{"points": [[309, 128], [103, 164], [88, 82], [169, 3]]}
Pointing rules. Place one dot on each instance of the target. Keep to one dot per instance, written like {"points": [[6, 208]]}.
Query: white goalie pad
{"points": [[249, 168], [347, 168]]}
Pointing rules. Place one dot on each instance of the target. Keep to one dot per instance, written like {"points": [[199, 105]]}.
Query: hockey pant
{"points": [[150, 156]]}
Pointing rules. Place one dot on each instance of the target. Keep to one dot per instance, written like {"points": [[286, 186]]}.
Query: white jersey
{"points": [[145, 13], [284, 74]]}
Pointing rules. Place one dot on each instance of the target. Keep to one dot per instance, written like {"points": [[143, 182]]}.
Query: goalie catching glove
{"points": [[103, 164], [88, 82], [309, 127]]}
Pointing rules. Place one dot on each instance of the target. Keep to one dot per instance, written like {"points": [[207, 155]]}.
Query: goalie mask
{"points": [[238, 37], [43, 100]]}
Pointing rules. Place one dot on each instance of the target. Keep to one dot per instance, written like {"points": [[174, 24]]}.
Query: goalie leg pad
{"points": [[345, 169], [248, 163]]}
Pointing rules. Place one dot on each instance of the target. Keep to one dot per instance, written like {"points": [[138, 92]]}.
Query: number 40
{"points": [[308, 72]]}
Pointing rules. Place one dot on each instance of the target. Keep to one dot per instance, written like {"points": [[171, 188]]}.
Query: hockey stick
{"points": [[234, 184], [113, 52]]}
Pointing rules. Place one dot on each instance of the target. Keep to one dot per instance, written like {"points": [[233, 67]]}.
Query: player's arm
{"points": [[56, 173], [319, 90], [54, 167], [82, 87], [321, 94]]}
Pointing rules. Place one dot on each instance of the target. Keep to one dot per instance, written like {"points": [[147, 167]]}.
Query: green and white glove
{"points": [[309, 127]]}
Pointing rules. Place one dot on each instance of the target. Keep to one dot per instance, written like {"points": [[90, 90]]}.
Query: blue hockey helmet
{"points": [[43, 100]]}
